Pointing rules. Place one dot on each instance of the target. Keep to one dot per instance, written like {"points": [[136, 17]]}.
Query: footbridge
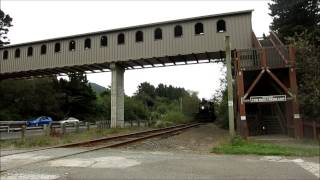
{"points": [[184, 41]]}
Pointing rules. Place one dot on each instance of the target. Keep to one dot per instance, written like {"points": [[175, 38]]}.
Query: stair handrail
{"points": [[281, 118], [277, 44], [273, 35], [255, 41]]}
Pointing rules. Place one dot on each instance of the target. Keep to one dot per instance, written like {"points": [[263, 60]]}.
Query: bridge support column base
{"points": [[117, 96]]}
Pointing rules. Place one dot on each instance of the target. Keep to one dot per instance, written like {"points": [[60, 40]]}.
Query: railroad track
{"points": [[107, 142]]}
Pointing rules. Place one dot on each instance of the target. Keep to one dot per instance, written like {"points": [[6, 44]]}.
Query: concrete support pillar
{"points": [[117, 96]]}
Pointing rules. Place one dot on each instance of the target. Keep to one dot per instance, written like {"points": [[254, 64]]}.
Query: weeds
{"points": [[237, 145], [42, 141]]}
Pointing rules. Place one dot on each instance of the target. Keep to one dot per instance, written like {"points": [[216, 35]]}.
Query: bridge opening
{"points": [[198, 28], [43, 49], [221, 26], [268, 117]]}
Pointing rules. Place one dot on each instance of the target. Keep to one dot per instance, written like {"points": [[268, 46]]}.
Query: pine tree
{"points": [[5, 23], [290, 17]]}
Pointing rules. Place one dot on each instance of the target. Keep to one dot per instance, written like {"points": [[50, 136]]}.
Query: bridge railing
{"points": [[252, 59]]}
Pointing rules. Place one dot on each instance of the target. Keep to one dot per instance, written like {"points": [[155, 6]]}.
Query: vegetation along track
{"points": [[108, 142]]}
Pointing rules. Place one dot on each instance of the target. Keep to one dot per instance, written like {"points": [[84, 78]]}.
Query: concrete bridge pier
{"points": [[117, 95]]}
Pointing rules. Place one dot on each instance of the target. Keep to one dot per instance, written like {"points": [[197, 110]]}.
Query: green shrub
{"points": [[162, 124], [237, 140], [175, 117]]}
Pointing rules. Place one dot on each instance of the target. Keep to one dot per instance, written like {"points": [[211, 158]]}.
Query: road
{"points": [[128, 164]]}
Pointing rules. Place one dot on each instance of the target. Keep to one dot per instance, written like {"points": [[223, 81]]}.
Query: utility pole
{"points": [[230, 86]]}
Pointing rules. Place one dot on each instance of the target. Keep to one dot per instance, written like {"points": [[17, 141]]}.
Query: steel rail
{"points": [[95, 140], [133, 137]]}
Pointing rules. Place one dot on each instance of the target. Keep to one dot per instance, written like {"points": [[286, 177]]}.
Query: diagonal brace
{"points": [[254, 84], [274, 77]]}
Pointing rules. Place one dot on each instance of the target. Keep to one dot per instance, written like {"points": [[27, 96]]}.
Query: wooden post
{"points": [[229, 86], [297, 122], [243, 127], [88, 126], [63, 128], [46, 129], [77, 127], [314, 126], [51, 130], [23, 132], [264, 58]]}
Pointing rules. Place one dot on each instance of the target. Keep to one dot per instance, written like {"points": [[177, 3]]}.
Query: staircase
{"points": [[266, 43], [272, 125]]}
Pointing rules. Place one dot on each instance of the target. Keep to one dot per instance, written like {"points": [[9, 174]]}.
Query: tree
{"points": [[23, 99], [308, 75], [5, 23], [190, 104], [146, 94], [298, 23], [220, 101], [290, 17], [147, 89], [134, 109], [79, 98]]}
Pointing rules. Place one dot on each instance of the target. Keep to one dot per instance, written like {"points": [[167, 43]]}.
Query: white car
{"points": [[70, 120]]}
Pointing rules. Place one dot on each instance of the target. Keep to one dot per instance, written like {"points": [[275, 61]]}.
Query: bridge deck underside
{"points": [[206, 57]]}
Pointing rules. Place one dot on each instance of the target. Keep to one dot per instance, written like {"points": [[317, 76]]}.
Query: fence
{"points": [[57, 129], [137, 123], [20, 126], [311, 129]]}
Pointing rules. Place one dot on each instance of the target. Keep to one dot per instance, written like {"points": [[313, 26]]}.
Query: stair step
{"points": [[266, 43]]}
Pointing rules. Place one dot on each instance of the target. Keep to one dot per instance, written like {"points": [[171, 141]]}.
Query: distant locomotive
{"points": [[206, 111]]}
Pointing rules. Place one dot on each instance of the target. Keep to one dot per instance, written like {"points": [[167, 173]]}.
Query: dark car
{"points": [[39, 121]]}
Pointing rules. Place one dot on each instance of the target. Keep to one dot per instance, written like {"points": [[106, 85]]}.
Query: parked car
{"points": [[39, 121], [70, 120]]}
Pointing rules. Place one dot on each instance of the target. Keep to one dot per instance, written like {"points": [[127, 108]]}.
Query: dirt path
{"points": [[196, 140]]}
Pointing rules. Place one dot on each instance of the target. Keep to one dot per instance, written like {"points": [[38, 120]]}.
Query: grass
{"points": [[43, 141], [241, 146]]}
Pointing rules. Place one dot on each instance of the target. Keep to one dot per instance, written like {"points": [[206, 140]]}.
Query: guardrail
{"points": [[57, 129], [7, 126], [16, 126]]}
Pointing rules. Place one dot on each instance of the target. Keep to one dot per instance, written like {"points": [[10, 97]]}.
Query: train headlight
{"points": [[202, 107]]}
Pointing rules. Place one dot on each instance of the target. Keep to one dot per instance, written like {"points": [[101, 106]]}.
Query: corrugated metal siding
{"points": [[238, 28]]}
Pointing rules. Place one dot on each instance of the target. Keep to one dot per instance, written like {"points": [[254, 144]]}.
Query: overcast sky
{"points": [[37, 20]]}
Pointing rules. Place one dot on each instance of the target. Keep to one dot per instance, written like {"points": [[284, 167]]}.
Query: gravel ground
{"points": [[195, 140]]}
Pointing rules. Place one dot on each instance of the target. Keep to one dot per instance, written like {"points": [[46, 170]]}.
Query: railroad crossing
{"points": [[263, 70]]}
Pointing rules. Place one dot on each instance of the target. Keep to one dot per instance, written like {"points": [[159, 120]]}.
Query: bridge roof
{"points": [[134, 27]]}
